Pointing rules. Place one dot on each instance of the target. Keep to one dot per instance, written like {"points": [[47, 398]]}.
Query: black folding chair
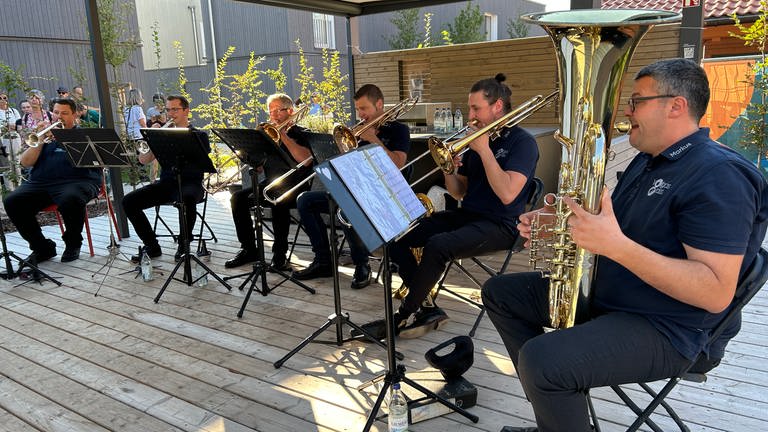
{"points": [[751, 283], [200, 215], [533, 198]]}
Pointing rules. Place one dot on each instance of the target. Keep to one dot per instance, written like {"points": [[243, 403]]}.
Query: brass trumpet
{"points": [[143, 148], [43, 136], [273, 131], [346, 138]]}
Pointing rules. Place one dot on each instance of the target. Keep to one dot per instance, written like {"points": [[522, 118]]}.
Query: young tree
{"points": [[755, 131], [517, 28], [467, 26], [407, 34]]}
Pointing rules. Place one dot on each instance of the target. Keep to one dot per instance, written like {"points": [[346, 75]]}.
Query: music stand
{"points": [[253, 147], [377, 200], [181, 149], [35, 274], [97, 148], [324, 147]]}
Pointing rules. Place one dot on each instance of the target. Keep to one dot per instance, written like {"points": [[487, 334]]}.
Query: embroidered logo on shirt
{"points": [[658, 188], [501, 153]]}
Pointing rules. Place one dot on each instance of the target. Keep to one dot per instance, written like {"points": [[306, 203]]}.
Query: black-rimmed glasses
{"points": [[635, 99]]}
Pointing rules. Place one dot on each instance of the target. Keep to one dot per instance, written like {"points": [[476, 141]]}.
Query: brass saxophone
{"points": [[593, 51]]}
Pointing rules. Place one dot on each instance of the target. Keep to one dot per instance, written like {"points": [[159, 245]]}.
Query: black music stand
{"points": [[35, 274], [323, 147], [377, 200], [253, 147], [97, 148], [181, 149]]}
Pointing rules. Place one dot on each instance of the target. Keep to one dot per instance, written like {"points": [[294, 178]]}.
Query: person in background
{"points": [[156, 113], [62, 92], [133, 114], [38, 113]]}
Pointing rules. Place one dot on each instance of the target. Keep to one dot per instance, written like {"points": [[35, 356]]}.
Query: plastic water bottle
{"points": [[458, 120], [448, 120], [146, 267], [398, 410], [438, 122]]}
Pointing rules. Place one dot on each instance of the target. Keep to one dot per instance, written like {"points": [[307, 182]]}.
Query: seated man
{"points": [[166, 190], [53, 180], [684, 222], [293, 142], [394, 137], [492, 181]]}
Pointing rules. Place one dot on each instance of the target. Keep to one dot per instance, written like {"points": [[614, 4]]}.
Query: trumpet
{"points": [[43, 136], [444, 151], [273, 131], [346, 138], [143, 148]]}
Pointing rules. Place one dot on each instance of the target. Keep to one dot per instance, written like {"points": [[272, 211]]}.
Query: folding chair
{"points": [[102, 195], [200, 215], [751, 283], [533, 198]]}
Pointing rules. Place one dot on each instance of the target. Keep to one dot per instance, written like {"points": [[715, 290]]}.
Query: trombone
{"points": [[444, 151], [273, 131], [42, 136], [346, 138]]}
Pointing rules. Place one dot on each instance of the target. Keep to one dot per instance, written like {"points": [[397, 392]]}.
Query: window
{"points": [[491, 27], [322, 26]]}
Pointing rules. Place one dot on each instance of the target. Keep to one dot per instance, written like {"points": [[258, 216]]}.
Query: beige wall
{"points": [[529, 64]]}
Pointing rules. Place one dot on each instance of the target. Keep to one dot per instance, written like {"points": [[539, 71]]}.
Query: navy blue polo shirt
{"points": [[515, 150], [54, 167], [188, 175], [395, 136], [275, 165], [696, 192]]}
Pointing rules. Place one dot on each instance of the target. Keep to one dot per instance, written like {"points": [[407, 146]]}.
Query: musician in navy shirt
{"points": [[492, 182], [395, 138], [683, 224], [53, 180]]}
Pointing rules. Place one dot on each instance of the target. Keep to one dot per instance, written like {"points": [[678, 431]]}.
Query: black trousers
{"points": [[28, 199], [242, 201], [159, 193], [445, 236], [556, 368]]}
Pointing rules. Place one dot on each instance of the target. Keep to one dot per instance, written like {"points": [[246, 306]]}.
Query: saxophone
{"points": [[593, 50]]}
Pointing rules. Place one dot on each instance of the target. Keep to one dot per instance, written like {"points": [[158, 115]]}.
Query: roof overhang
{"points": [[351, 8]]}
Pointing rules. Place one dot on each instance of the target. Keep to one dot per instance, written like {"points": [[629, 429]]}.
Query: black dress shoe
{"points": [[315, 270], [44, 253], [362, 277], [71, 253], [152, 251], [519, 429], [378, 328], [178, 254], [244, 256], [279, 263], [425, 320]]}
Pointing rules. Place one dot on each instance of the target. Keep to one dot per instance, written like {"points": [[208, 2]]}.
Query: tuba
{"points": [[593, 50]]}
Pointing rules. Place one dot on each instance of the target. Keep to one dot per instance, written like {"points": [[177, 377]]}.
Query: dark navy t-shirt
{"points": [[54, 167], [188, 175], [395, 136], [697, 192], [515, 150]]}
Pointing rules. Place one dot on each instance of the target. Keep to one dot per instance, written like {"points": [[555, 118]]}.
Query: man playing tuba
{"points": [[671, 251]]}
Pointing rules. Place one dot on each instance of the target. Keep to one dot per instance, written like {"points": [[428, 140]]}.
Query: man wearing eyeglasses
{"points": [[683, 224], [53, 180], [62, 92], [165, 190], [294, 145]]}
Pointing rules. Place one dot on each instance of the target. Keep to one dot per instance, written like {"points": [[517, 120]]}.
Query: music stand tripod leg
{"points": [[396, 372], [36, 274], [339, 317]]}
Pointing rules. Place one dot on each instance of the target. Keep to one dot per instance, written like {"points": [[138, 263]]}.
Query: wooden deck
{"points": [[73, 361]]}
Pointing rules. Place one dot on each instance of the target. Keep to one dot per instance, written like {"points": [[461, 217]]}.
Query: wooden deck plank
{"points": [[212, 370]]}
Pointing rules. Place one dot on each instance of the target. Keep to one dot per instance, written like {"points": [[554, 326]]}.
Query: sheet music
{"points": [[387, 200]]}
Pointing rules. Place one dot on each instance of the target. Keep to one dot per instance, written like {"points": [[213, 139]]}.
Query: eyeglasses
{"points": [[634, 100], [62, 92], [3, 97], [273, 112]]}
